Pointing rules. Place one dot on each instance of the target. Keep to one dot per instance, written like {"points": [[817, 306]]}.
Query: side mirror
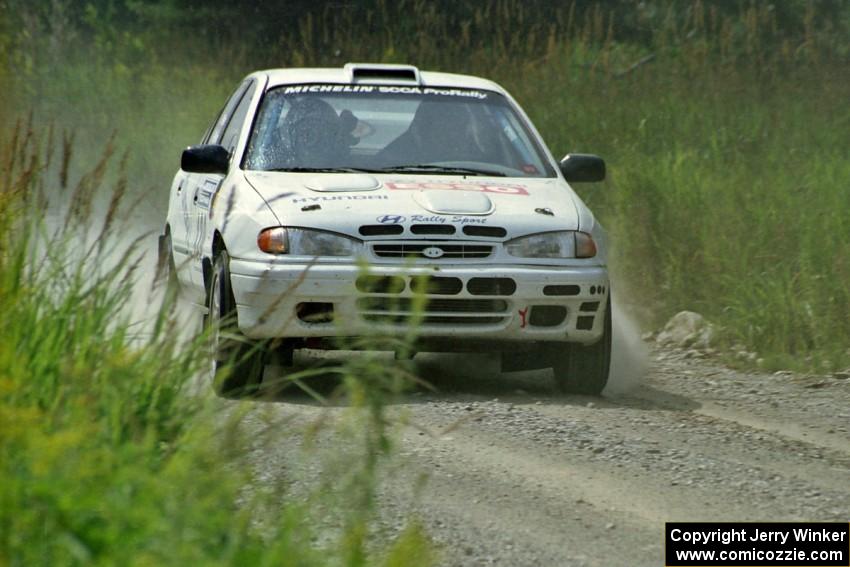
{"points": [[582, 167], [208, 158]]}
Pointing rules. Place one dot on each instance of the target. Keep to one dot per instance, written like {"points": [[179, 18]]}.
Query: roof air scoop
{"points": [[381, 74]]}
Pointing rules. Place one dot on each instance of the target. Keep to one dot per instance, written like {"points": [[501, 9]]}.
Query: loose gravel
{"points": [[502, 471]]}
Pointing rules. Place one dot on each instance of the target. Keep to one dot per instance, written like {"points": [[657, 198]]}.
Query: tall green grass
{"points": [[727, 140], [108, 454], [727, 191]]}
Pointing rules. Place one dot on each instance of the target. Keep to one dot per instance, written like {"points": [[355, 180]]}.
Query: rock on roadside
{"points": [[687, 329]]}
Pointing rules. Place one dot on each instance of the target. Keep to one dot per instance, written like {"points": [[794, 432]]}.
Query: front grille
{"points": [[561, 290], [433, 305], [435, 285], [380, 284], [381, 229], [488, 231], [491, 286], [398, 319], [433, 311], [432, 229], [445, 251]]}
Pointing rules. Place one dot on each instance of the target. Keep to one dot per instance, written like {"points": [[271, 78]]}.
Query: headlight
{"points": [[306, 242], [564, 244]]}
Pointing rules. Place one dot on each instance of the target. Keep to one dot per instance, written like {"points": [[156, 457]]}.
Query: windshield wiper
{"points": [[324, 170], [441, 170]]}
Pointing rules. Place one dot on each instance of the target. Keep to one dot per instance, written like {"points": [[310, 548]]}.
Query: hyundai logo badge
{"points": [[433, 252], [390, 219]]}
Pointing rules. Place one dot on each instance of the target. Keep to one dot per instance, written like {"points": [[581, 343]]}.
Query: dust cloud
{"points": [[147, 300], [629, 356]]}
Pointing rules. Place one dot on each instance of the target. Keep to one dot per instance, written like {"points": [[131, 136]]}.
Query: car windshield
{"points": [[392, 129]]}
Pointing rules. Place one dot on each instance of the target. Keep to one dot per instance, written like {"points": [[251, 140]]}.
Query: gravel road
{"points": [[501, 470], [517, 475]]}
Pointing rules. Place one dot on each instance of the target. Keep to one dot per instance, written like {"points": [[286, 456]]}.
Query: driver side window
{"points": [[234, 127], [213, 134]]}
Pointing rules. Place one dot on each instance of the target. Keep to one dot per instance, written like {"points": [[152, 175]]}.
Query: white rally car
{"points": [[330, 203]]}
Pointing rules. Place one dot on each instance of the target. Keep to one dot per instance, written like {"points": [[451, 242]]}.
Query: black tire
{"points": [[237, 362], [583, 369]]}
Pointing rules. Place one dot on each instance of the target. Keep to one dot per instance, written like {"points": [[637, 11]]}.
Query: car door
{"points": [[195, 195], [210, 184]]}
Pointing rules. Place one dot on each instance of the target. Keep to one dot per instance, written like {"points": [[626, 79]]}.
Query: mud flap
{"points": [[162, 266]]}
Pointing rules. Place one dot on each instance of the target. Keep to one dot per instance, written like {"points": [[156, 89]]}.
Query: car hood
{"points": [[344, 202]]}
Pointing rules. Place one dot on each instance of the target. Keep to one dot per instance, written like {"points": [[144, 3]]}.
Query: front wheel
{"points": [[237, 362], [583, 369]]}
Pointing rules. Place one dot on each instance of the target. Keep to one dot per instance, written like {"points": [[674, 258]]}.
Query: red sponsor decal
{"points": [[522, 314], [481, 187]]}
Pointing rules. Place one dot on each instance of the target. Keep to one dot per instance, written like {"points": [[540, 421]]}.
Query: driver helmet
{"points": [[310, 134]]}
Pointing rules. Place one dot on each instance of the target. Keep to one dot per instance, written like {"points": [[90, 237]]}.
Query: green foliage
{"points": [[726, 194], [412, 549], [107, 455], [520, 28]]}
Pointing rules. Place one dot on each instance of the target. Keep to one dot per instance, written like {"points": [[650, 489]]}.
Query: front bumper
{"points": [[475, 302]]}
